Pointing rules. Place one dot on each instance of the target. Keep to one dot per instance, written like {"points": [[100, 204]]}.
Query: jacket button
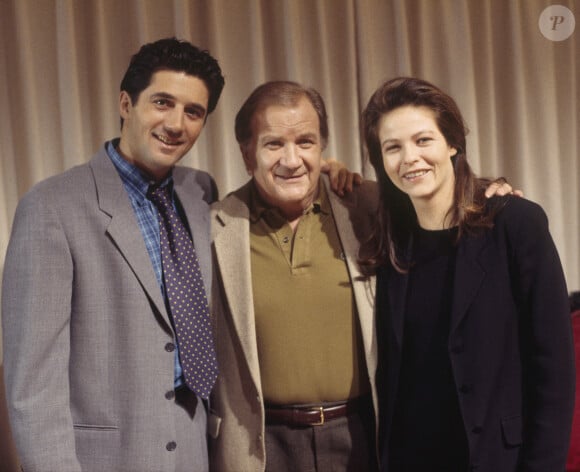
{"points": [[477, 430], [170, 347], [170, 395], [171, 446]]}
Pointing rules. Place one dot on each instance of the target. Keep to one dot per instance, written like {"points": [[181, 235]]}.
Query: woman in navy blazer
{"points": [[476, 368]]}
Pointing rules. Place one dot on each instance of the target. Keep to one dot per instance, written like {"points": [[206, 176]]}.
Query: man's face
{"points": [[284, 156], [164, 123]]}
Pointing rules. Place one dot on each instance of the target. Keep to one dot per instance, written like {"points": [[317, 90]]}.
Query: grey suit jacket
{"points": [[237, 422], [88, 344]]}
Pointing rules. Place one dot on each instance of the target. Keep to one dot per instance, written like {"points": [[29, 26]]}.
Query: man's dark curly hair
{"points": [[174, 55]]}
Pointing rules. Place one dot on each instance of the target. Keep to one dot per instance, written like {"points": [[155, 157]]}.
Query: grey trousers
{"points": [[342, 445]]}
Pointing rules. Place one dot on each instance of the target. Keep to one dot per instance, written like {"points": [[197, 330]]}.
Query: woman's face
{"points": [[416, 156]]}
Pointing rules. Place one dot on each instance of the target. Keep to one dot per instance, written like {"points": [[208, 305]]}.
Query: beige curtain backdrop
{"points": [[61, 63]]}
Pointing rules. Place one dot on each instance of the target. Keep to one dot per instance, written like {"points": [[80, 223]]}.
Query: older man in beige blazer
{"points": [[295, 324]]}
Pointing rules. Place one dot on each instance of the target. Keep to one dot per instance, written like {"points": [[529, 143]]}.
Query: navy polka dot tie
{"points": [[186, 295]]}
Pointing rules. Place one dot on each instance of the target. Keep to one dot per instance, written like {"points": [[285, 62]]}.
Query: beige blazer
{"points": [[89, 366], [236, 423]]}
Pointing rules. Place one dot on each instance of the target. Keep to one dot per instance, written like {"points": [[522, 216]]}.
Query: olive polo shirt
{"points": [[309, 342]]}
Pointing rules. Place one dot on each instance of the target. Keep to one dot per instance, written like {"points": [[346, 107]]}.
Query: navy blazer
{"points": [[510, 344]]}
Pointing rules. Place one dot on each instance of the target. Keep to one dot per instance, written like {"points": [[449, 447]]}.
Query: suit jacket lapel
{"points": [[344, 211], [123, 228], [231, 241], [196, 210], [469, 275], [397, 296]]}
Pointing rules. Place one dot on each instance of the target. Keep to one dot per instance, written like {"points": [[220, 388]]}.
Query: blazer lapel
{"points": [[345, 214], [397, 288], [469, 275], [191, 197], [123, 228], [231, 241]]}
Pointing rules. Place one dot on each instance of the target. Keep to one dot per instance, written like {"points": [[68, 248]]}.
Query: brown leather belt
{"points": [[313, 416]]}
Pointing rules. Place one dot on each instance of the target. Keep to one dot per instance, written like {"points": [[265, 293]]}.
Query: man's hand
{"points": [[500, 187], [341, 179]]}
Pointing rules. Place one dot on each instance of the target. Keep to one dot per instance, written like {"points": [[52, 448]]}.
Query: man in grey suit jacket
{"points": [[294, 315], [93, 376]]}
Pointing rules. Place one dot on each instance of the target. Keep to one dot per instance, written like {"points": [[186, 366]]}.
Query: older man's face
{"points": [[284, 156]]}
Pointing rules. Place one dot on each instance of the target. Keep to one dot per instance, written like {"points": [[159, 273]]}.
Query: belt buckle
{"points": [[321, 421]]}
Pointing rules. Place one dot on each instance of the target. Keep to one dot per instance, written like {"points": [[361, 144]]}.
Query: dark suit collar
{"points": [[469, 274], [397, 291]]}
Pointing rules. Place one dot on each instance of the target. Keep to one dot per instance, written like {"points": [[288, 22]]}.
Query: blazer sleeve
{"points": [[36, 312], [546, 336]]}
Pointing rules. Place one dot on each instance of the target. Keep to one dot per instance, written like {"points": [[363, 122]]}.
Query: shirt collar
{"points": [[260, 209], [132, 177]]}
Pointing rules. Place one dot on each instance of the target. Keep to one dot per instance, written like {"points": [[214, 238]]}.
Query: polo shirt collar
{"points": [[259, 209]]}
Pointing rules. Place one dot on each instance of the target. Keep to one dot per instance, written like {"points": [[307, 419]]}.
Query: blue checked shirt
{"points": [[136, 186]]}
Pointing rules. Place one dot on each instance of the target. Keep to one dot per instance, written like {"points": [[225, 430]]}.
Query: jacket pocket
{"points": [[511, 428], [94, 427], [98, 447]]}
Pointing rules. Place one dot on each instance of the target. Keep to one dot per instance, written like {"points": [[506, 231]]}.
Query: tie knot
{"points": [[160, 196]]}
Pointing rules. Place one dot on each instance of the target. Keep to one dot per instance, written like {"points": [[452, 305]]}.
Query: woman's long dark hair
{"points": [[396, 216]]}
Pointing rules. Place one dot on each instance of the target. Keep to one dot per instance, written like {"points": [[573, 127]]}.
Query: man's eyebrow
{"points": [[270, 135], [199, 108], [162, 95], [308, 135]]}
